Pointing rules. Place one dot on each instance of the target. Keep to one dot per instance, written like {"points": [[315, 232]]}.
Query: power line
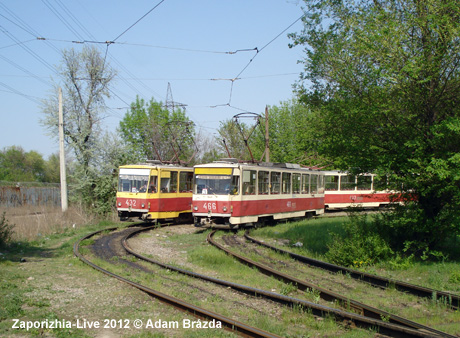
{"points": [[105, 51], [237, 77], [17, 25], [25, 26], [108, 42], [138, 20], [73, 17], [14, 64], [30, 51], [266, 45], [61, 18], [18, 43], [17, 92]]}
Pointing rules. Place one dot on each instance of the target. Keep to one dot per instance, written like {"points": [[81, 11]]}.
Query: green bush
{"points": [[409, 231], [360, 246], [6, 231]]}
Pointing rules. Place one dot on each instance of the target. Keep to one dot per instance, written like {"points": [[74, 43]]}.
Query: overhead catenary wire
{"points": [[119, 36], [17, 92], [257, 50], [237, 77], [105, 51], [182, 49], [25, 26], [18, 43], [139, 85], [61, 18], [30, 51]]}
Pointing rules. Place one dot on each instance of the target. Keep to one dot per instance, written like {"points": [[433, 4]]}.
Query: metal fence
{"points": [[29, 194]]}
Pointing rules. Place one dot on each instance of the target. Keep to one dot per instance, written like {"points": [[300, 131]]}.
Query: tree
{"points": [[233, 137], [16, 165], [85, 79], [291, 134], [153, 132], [385, 81], [52, 169], [100, 178]]}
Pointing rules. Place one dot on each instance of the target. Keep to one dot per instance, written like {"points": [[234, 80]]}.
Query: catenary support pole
{"points": [[267, 142], [62, 156]]}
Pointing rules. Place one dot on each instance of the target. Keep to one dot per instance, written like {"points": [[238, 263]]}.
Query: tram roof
{"points": [[155, 166], [262, 165]]}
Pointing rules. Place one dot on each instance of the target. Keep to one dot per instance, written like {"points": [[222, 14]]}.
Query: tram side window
{"points": [[314, 184], [365, 182], [320, 184], [173, 183], [275, 179], [153, 185], [347, 182], [286, 183], [305, 183], [249, 182], [263, 182], [296, 183], [331, 183], [234, 189], [164, 185], [185, 181], [169, 184]]}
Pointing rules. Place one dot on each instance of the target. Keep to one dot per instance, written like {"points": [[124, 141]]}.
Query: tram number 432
{"points": [[210, 206], [130, 203]]}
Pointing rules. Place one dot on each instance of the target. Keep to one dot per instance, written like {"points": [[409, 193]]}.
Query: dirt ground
{"points": [[59, 286]]}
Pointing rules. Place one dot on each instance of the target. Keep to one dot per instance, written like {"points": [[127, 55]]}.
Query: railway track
{"points": [[233, 325], [369, 319], [448, 298], [365, 310], [396, 327]]}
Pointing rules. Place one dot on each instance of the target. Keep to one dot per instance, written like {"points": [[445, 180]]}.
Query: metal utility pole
{"points": [[62, 156]]}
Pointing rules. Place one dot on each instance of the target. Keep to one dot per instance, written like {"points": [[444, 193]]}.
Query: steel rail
{"points": [[450, 299], [394, 330], [365, 310], [238, 327]]}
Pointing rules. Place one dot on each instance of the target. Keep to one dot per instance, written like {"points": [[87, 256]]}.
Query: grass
{"points": [[53, 284], [315, 234], [206, 259], [443, 275], [34, 223]]}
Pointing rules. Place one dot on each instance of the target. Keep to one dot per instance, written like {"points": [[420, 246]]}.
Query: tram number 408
{"points": [[210, 206]]}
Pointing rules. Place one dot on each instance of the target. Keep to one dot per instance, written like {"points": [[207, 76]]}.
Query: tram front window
{"points": [[216, 184], [132, 183]]}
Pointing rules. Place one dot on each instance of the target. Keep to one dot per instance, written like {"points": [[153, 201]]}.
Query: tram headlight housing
{"points": [[119, 204], [224, 208], [195, 208]]}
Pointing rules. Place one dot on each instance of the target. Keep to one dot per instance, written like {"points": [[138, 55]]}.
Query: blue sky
{"points": [[181, 42]]}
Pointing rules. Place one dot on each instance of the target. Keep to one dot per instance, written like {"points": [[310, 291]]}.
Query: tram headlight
{"points": [[195, 208], [119, 204], [224, 208], [143, 205]]}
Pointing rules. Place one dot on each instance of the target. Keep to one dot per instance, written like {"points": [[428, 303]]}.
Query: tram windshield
{"points": [[135, 180], [216, 184]]}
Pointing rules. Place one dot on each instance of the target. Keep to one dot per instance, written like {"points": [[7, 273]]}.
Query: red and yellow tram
{"points": [[233, 194], [154, 191]]}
